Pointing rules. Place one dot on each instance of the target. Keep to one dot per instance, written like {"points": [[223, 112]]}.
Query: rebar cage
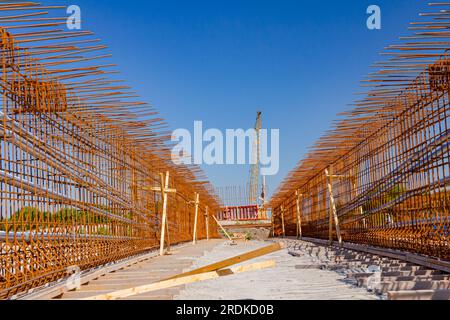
{"points": [[79, 160], [387, 162]]}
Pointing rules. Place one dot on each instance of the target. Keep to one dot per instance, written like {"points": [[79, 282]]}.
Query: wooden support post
{"points": [[299, 217], [234, 260], [282, 221], [207, 223], [168, 235], [273, 223], [333, 211], [164, 189], [197, 202], [164, 186]]}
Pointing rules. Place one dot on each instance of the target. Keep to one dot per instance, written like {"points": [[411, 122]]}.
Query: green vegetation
{"points": [[102, 231], [29, 218], [224, 235]]}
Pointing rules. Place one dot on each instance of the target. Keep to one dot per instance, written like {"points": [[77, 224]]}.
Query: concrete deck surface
{"points": [[289, 280]]}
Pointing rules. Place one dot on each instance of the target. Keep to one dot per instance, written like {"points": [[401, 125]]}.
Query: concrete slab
{"points": [[284, 282]]}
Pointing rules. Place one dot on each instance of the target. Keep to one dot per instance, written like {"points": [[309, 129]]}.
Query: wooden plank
{"points": [[249, 226], [234, 260], [158, 189], [178, 281], [225, 231]]}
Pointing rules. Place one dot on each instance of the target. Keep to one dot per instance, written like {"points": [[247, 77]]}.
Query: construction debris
{"points": [[235, 260]]}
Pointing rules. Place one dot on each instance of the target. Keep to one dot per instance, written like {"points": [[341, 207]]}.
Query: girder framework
{"points": [[79, 158], [387, 160]]}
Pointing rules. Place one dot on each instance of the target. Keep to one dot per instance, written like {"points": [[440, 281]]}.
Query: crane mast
{"points": [[255, 165]]}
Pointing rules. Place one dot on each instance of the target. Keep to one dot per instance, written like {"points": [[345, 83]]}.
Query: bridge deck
{"points": [[304, 270], [288, 280]]}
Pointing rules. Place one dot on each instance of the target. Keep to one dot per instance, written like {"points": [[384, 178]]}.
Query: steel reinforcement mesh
{"points": [[386, 165], [79, 160]]}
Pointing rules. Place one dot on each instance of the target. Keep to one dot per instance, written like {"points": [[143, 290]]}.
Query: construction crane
{"points": [[255, 165]]}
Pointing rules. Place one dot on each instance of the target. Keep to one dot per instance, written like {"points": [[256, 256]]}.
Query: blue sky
{"points": [[299, 62]]}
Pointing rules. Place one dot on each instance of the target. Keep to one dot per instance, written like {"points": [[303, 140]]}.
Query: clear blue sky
{"points": [[300, 62]]}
